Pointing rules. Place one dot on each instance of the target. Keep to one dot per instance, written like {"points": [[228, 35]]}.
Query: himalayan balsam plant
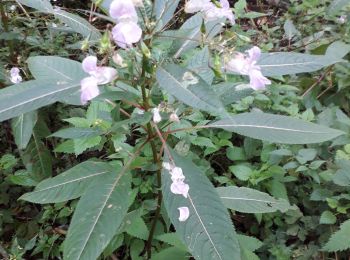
{"points": [[158, 65]]}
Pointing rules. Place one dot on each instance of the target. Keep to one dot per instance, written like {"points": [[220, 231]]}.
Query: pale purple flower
{"points": [[193, 6], [126, 33], [174, 117], [89, 89], [123, 10], [156, 115], [15, 77], [184, 213], [99, 75], [180, 188], [342, 19], [246, 65], [177, 174], [211, 11]]}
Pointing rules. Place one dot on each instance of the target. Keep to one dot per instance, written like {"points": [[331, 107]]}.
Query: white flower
{"points": [[126, 33], [246, 65], [123, 11], [15, 77], [173, 117], [98, 76], [193, 6], [138, 3], [13, 8], [156, 115], [139, 111], [118, 60], [180, 188], [184, 213]]}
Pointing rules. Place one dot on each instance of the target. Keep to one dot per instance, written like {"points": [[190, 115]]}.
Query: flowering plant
{"points": [[157, 72]]}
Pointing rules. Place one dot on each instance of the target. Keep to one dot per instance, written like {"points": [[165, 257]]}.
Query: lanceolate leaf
{"points": [[68, 185], [284, 63], [165, 10], [78, 24], [97, 217], [339, 241], [208, 232], [22, 128], [251, 201], [41, 5], [199, 95], [31, 95], [55, 68], [276, 128]]}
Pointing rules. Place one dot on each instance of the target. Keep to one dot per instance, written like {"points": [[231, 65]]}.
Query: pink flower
{"points": [[246, 65], [126, 33], [123, 10], [184, 213], [15, 77], [179, 187], [98, 76], [177, 174]]}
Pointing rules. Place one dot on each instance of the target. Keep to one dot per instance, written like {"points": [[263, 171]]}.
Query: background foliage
{"points": [[301, 192]]}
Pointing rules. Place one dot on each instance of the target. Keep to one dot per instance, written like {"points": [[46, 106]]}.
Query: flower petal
{"points": [[193, 6], [179, 187], [257, 80], [184, 213], [90, 64], [104, 75], [126, 33], [156, 115], [123, 10], [177, 174], [254, 53], [89, 89], [239, 64]]}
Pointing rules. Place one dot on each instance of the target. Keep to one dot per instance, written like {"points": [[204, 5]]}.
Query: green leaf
{"points": [[192, 33], [31, 95], [251, 243], [77, 132], [339, 241], [97, 217], [328, 217], [336, 6], [55, 68], [342, 176], [199, 64], [172, 239], [41, 5], [82, 144], [199, 95], [289, 30], [78, 24], [22, 128], [276, 128], [241, 171], [68, 185], [251, 201], [285, 63], [208, 232], [171, 253], [164, 10]]}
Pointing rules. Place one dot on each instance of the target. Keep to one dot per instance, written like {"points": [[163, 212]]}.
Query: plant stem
{"points": [[4, 20]]}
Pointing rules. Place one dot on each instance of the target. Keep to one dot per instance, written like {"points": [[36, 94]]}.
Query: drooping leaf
{"points": [[339, 240], [55, 68], [276, 128], [198, 95], [41, 5], [22, 128], [68, 185], [97, 217], [78, 24], [251, 201], [77, 132], [208, 232], [31, 95], [164, 11], [285, 63]]}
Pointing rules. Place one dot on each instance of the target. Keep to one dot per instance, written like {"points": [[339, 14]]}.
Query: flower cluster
{"points": [[127, 31], [245, 64], [99, 75], [210, 10], [178, 186], [15, 77]]}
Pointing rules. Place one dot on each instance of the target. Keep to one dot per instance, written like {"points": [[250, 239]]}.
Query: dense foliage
{"points": [[158, 131]]}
